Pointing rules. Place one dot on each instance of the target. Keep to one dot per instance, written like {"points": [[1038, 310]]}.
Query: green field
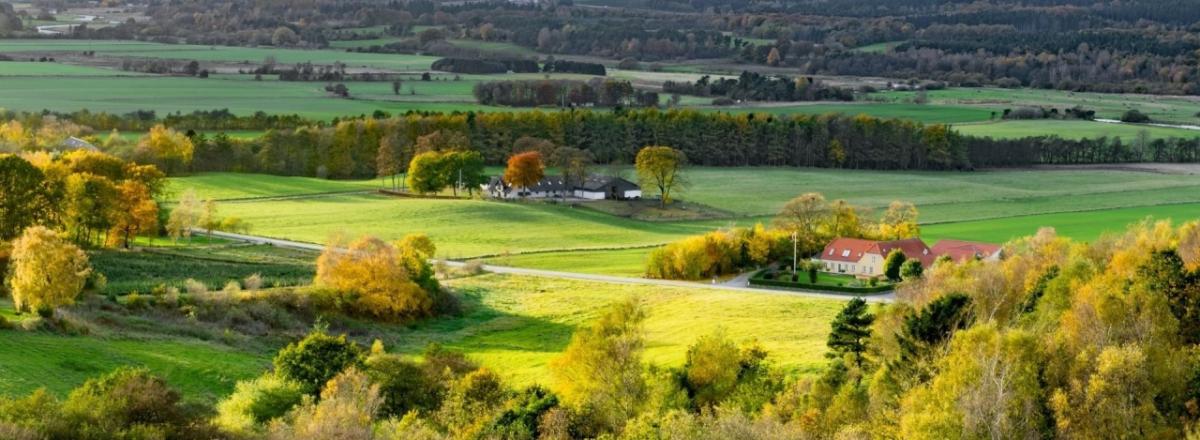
{"points": [[471, 228], [227, 186], [1084, 226], [930, 114], [144, 270], [515, 325], [1176, 109], [621, 262], [202, 370], [461, 228], [1070, 129], [42, 70], [251, 56]]}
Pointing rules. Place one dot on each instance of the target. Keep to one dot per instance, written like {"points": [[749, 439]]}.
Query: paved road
{"points": [[885, 297]]}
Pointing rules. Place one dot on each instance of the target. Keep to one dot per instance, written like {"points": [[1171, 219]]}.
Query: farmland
{"points": [[513, 325], [68, 87], [985, 205]]}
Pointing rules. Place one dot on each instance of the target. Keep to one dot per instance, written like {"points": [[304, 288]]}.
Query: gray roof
{"points": [[602, 183]]}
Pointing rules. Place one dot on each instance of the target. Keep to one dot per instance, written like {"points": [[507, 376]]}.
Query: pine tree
{"points": [[850, 330]]}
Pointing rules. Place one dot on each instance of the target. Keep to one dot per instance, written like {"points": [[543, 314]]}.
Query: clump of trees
{"points": [[752, 86], [432, 171], [483, 67], [600, 92], [816, 221], [718, 253], [386, 281]]}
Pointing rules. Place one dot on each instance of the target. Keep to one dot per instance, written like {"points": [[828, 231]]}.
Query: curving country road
{"points": [[737, 285]]}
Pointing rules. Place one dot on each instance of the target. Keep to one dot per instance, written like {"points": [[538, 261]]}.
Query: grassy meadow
{"points": [[215, 265], [994, 205], [1075, 129], [513, 325]]}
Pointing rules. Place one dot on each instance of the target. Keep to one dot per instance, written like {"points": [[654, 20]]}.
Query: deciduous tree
{"points": [[660, 167], [524, 169], [601, 369], [47, 272], [24, 197]]}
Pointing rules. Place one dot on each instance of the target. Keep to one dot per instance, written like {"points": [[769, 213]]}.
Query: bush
{"points": [[1135, 117], [257, 401], [253, 282], [127, 403], [315, 359], [403, 384]]}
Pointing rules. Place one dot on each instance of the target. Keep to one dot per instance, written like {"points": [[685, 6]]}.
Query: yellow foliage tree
{"points": [[136, 212], [376, 277], [601, 369], [170, 149], [47, 272], [346, 410], [899, 222]]}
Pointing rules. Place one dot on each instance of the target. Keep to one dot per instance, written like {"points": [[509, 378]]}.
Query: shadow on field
{"points": [[482, 329]]}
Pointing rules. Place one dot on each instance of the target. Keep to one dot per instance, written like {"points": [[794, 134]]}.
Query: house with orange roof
{"points": [[960, 251], [865, 258]]}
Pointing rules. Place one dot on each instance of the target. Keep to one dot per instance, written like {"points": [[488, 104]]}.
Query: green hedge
{"points": [[758, 280]]}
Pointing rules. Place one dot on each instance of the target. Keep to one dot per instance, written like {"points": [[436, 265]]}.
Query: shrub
{"points": [[1135, 116], [911, 270], [403, 384], [257, 401], [253, 282], [194, 287], [127, 403], [315, 359], [347, 409]]}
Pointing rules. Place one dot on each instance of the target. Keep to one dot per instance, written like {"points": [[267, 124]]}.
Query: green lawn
{"points": [[1070, 129], [226, 186], [879, 47]]}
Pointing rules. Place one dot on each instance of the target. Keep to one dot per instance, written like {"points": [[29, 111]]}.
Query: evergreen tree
{"points": [[850, 330]]}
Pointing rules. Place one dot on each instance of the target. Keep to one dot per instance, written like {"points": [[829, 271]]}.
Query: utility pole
{"points": [[795, 251]]}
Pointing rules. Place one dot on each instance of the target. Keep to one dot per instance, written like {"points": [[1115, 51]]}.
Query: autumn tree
{"points": [[184, 216], [601, 368], [136, 212], [90, 204], [377, 279], [524, 170], [804, 216], [46, 271], [660, 167], [169, 149], [24, 198], [388, 159], [426, 173], [347, 409], [899, 222]]}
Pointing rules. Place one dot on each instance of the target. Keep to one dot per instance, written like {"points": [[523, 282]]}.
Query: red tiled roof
{"points": [[853, 249], [964, 250], [847, 249], [913, 248]]}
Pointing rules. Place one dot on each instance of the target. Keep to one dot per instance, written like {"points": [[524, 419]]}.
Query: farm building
{"points": [[592, 188], [865, 258]]}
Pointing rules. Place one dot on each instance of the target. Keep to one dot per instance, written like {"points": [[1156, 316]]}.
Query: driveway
{"points": [[729, 286]]}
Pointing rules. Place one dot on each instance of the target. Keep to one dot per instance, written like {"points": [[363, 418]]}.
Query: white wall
{"points": [[633, 194]]}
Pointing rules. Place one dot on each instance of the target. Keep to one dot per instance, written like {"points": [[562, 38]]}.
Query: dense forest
{"points": [[1062, 44]]}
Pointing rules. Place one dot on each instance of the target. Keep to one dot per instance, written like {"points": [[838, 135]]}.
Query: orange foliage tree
{"points": [[524, 169], [378, 279]]}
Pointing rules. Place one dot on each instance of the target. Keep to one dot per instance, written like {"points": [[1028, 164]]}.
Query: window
{"points": [[846, 253], [830, 251]]}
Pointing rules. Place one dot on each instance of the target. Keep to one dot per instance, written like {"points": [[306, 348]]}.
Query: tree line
{"points": [[754, 86], [597, 92], [349, 148]]}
